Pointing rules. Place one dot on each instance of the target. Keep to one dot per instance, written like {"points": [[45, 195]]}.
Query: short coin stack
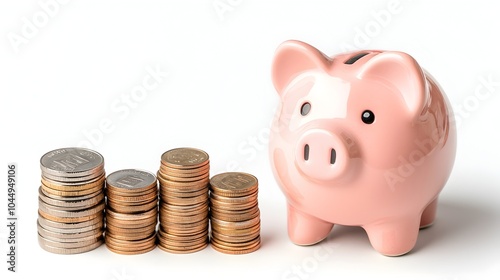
{"points": [[183, 176], [234, 213], [71, 201], [131, 212]]}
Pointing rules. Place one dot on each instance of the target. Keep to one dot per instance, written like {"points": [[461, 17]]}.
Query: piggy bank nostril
{"points": [[333, 156], [306, 152]]}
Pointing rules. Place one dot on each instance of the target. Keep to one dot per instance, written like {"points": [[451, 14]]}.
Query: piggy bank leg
{"points": [[394, 238], [429, 214], [304, 229]]}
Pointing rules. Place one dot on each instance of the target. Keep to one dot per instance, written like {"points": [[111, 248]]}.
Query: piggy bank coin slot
{"points": [[355, 58]]}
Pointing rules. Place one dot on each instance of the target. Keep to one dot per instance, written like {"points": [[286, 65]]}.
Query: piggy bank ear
{"points": [[293, 58], [402, 71]]}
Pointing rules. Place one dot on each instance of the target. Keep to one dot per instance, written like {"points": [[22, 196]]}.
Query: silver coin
{"points": [[53, 227], [71, 162], [131, 179], [66, 251], [72, 204], [67, 245], [67, 235], [75, 183], [74, 180], [71, 208], [71, 214]]}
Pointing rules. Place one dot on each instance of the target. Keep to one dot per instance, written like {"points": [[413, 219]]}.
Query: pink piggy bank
{"points": [[360, 139]]}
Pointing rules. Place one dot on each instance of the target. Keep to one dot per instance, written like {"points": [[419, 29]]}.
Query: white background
{"points": [[74, 70]]}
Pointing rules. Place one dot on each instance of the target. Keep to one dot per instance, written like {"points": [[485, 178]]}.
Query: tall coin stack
{"points": [[234, 213], [71, 201], [183, 176], [131, 211]]}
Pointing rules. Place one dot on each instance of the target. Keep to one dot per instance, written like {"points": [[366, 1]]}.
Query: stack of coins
{"points": [[183, 176], [234, 213], [71, 201], [131, 211]]}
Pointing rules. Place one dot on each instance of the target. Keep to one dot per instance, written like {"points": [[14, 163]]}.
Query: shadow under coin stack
{"points": [[183, 176], [71, 201], [131, 212], [234, 213]]}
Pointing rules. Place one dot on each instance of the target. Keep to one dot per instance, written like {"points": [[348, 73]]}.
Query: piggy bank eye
{"points": [[368, 117], [305, 109]]}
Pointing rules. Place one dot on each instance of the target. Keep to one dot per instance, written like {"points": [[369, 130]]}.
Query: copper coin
{"points": [[67, 219], [235, 218], [236, 200], [233, 231], [183, 251], [216, 247], [71, 193], [234, 239], [184, 158], [233, 183], [134, 217], [133, 208]]}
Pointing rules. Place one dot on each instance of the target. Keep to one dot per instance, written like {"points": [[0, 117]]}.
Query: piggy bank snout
{"points": [[321, 155]]}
